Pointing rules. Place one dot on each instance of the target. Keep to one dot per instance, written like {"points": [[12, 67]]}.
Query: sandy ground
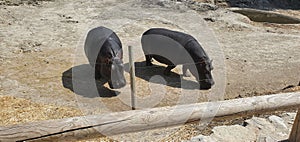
{"points": [[42, 43]]}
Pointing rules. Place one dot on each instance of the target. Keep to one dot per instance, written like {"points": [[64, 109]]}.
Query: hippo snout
{"points": [[207, 84], [117, 84]]}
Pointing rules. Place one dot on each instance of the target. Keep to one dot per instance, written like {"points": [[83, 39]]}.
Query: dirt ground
{"points": [[41, 45]]}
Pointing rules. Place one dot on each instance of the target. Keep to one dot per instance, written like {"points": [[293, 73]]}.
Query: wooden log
{"points": [[132, 77], [295, 133], [138, 120]]}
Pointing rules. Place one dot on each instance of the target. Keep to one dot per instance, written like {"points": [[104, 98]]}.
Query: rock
{"points": [[25, 49], [209, 19], [151, 3], [201, 6], [291, 115], [202, 138], [165, 3], [278, 122], [265, 4], [236, 133], [260, 123], [266, 139], [37, 49], [270, 139], [28, 46], [266, 16], [271, 129]]}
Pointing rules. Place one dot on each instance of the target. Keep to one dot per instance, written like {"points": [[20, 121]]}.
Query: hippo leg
{"points": [[167, 71], [148, 60], [97, 72], [185, 71]]}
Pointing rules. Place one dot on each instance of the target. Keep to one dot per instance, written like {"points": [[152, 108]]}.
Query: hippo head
{"points": [[117, 79], [112, 69], [203, 70]]}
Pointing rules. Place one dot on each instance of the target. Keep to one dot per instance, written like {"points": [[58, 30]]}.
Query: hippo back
{"points": [[160, 44], [103, 49], [174, 48], [172, 45], [95, 40], [179, 37]]}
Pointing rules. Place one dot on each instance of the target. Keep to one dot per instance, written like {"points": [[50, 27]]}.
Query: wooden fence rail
{"points": [[138, 120], [295, 134]]}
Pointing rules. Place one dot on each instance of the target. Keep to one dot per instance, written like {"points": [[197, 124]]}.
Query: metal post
{"points": [[132, 77]]}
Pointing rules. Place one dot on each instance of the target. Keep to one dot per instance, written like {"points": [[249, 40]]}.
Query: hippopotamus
{"points": [[103, 49], [176, 48]]}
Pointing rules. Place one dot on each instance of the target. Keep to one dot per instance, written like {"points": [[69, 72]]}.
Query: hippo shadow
{"points": [[80, 80], [174, 80]]}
